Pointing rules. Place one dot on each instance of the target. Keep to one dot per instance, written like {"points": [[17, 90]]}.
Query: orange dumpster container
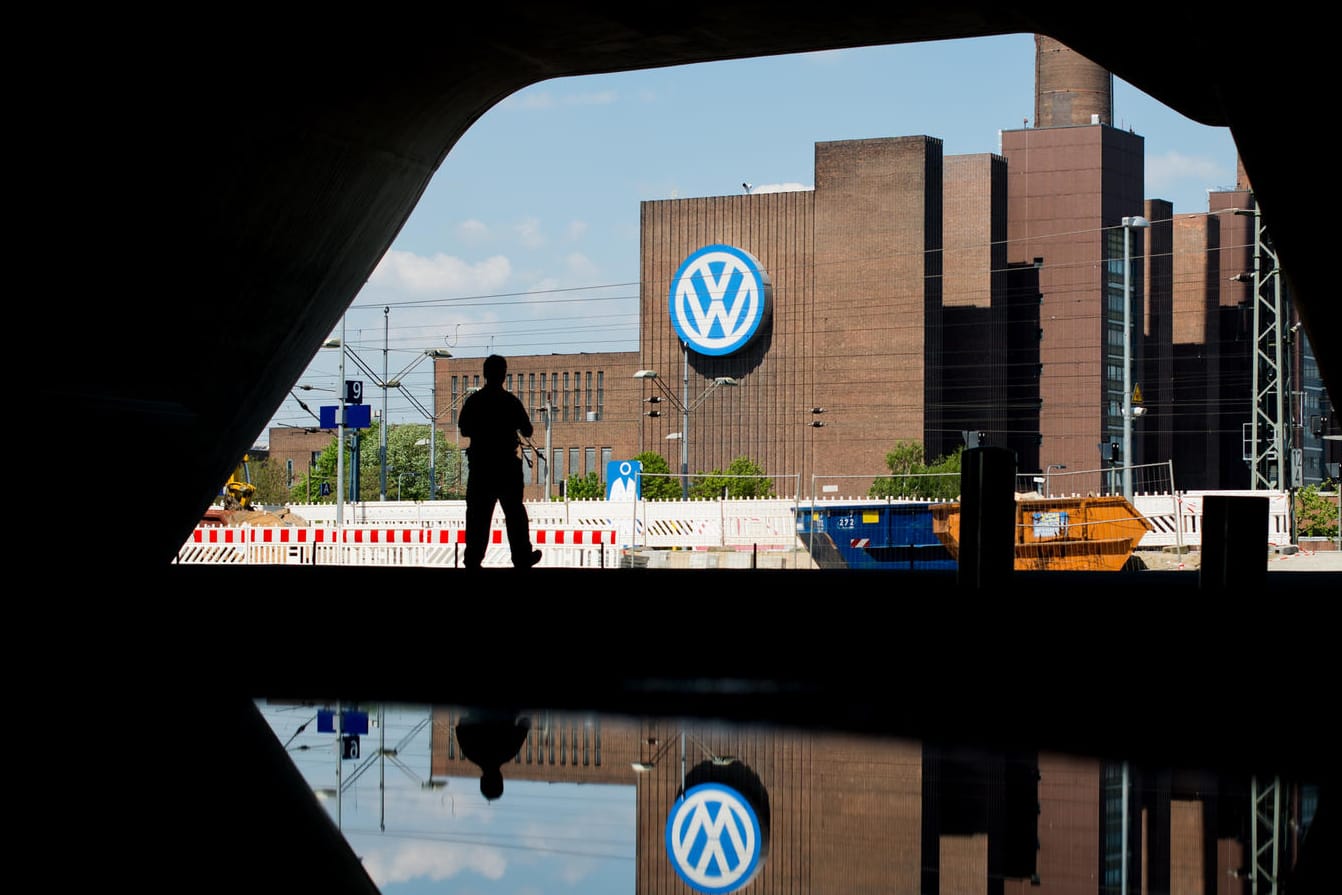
{"points": [[1061, 533]]}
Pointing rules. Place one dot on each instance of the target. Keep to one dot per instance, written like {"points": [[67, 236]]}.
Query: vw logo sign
{"points": [[713, 839], [719, 299]]}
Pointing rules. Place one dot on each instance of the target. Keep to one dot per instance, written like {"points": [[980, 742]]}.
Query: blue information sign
{"points": [[350, 722], [357, 416]]}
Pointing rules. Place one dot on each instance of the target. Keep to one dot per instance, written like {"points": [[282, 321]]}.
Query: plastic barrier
{"points": [[388, 546]]}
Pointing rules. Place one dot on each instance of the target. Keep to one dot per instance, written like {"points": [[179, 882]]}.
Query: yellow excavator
{"points": [[238, 491]]}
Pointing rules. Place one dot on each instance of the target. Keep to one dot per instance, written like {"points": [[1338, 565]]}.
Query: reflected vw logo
{"points": [[713, 839], [719, 298]]}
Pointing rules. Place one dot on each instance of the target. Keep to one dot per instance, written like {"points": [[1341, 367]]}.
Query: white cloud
{"points": [[581, 267], [473, 231], [576, 230], [780, 188], [1163, 171], [540, 100], [413, 273], [546, 284], [434, 861], [529, 231]]}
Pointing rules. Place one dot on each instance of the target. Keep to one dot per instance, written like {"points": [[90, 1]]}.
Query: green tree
{"points": [[586, 487], [742, 478], [657, 484], [449, 466], [408, 462], [269, 479], [911, 477], [1315, 514]]}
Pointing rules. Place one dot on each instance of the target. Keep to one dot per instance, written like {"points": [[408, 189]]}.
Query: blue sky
{"points": [[527, 239]]}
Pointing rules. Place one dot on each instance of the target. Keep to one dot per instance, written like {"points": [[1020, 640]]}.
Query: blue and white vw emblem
{"points": [[713, 839], [719, 299]]}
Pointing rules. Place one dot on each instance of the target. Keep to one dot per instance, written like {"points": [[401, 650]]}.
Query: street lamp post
{"points": [[382, 429], [340, 425], [1129, 224], [548, 410], [685, 406]]}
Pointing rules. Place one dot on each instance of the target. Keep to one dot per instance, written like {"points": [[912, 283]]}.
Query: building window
{"points": [[590, 456], [564, 403], [289, 468], [574, 462], [606, 457], [588, 392], [600, 391], [557, 459]]}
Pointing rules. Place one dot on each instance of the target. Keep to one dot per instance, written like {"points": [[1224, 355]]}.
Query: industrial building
{"points": [[917, 296]]}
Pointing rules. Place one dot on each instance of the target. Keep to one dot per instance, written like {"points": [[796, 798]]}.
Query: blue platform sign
{"points": [[713, 839], [357, 416], [623, 481], [351, 722]]}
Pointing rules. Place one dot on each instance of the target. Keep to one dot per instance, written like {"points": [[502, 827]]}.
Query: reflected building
{"points": [[853, 814]]}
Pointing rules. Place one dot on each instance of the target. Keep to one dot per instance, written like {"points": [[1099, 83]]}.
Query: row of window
{"points": [[572, 397], [566, 463]]}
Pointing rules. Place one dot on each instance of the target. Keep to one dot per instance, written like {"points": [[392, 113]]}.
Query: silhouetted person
{"points": [[490, 740], [494, 419]]}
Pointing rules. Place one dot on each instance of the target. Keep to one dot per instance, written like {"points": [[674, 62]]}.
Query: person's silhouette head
{"points": [[491, 784], [495, 368]]}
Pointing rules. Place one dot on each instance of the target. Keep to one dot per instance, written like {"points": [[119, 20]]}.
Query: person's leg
{"points": [[479, 515], [519, 526]]}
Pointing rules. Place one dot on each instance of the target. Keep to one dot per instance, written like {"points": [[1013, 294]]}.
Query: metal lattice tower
{"points": [[1266, 844], [1268, 437]]}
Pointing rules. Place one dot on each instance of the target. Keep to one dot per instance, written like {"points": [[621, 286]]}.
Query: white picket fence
{"points": [[601, 533]]}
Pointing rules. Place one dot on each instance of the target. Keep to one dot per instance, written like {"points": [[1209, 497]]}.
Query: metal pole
{"points": [[340, 436], [382, 762], [1127, 358], [1128, 224], [433, 434], [1123, 889], [382, 446], [340, 757], [685, 422], [682, 762], [549, 475]]}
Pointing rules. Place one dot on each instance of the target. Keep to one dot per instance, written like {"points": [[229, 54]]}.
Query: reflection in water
{"points": [[589, 799], [418, 832]]}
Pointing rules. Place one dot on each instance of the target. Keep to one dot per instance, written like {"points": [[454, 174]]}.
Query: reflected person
{"points": [[491, 739], [495, 420]]}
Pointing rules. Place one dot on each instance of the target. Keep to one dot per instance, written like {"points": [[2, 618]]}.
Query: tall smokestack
{"points": [[1069, 88]]}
